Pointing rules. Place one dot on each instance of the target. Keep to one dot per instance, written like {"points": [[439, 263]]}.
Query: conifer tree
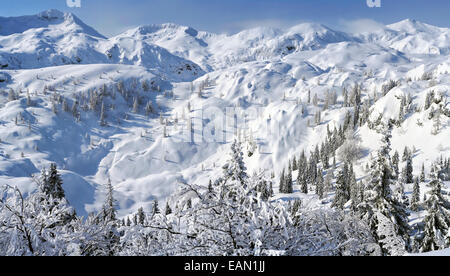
{"points": [[235, 167], [415, 198], [395, 164], [155, 208], [437, 221], [168, 210], [386, 217], [109, 207], [51, 183], [422, 174], [406, 154], [140, 216], [294, 164], [303, 185], [354, 192], [341, 197], [282, 181], [102, 115], [320, 184]]}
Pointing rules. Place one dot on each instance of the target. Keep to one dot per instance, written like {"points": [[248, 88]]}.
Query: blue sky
{"points": [[114, 16]]}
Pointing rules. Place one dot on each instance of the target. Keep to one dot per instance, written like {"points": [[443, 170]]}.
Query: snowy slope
{"points": [[264, 72]]}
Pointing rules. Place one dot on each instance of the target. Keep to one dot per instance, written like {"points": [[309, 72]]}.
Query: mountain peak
{"points": [[45, 19], [413, 26]]}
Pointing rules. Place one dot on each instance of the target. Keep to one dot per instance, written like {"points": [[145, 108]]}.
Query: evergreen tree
{"points": [[341, 197], [140, 216], [102, 115], [437, 222], [168, 209], [155, 208], [409, 178], [386, 217], [288, 184], [294, 164], [406, 154], [395, 164], [235, 168], [327, 183], [109, 209], [303, 185], [415, 198], [422, 174], [51, 183], [282, 182], [136, 105], [320, 184], [354, 192]]}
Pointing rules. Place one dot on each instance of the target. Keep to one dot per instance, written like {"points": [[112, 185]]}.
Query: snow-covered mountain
{"points": [[53, 38], [412, 37], [53, 61]]}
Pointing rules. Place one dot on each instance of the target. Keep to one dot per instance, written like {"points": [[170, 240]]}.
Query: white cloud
{"points": [[250, 24], [363, 25]]}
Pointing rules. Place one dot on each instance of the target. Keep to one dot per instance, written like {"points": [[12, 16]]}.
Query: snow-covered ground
{"points": [[264, 73]]}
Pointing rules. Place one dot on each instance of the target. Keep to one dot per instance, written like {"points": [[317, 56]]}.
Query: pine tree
{"points": [[51, 183], [415, 198], [155, 208], [136, 105], [320, 184], [327, 183], [102, 115], [168, 210], [437, 221], [149, 108], [341, 197], [386, 216], [436, 122], [406, 154], [294, 164], [288, 183], [282, 182], [235, 168], [140, 216], [109, 209], [354, 192], [395, 164], [303, 184], [422, 174], [409, 178]]}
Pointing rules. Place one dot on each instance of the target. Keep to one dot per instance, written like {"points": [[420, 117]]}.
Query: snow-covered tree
{"points": [[235, 168], [109, 207], [103, 115], [386, 216], [351, 149], [341, 197], [437, 221], [408, 176], [415, 198], [51, 183]]}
